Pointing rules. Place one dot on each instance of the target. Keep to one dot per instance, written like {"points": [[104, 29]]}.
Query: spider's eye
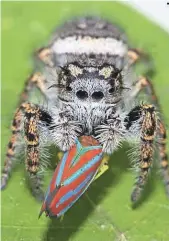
{"points": [[81, 94], [68, 88], [111, 90]]}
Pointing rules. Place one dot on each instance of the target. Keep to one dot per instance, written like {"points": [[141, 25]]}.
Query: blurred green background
{"points": [[104, 212]]}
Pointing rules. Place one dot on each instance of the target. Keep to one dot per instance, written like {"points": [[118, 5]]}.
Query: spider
{"points": [[90, 88]]}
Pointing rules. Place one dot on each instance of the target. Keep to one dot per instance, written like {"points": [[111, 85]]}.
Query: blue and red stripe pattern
{"points": [[72, 176]]}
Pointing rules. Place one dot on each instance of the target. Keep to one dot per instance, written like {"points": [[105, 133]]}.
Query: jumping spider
{"points": [[90, 88]]}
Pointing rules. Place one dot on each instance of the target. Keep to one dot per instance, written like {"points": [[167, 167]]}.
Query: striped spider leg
{"points": [[141, 121], [34, 119], [35, 80], [145, 84], [31, 114]]}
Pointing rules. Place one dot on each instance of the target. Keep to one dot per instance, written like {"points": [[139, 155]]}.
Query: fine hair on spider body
{"points": [[90, 88]]}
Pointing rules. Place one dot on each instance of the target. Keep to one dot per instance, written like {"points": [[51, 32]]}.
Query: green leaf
{"points": [[104, 212]]}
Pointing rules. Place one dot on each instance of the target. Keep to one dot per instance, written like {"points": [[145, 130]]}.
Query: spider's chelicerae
{"points": [[89, 88]]}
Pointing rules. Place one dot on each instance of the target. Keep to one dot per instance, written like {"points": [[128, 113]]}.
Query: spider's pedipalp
{"points": [[26, 120], [31, 133]]}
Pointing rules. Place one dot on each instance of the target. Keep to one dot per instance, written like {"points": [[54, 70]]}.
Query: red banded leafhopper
{"points": [[73, 175]]}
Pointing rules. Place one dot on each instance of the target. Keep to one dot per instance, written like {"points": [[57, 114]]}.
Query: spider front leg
{"points": [[59, 129], [30, 115], [31, 134], [33, 115], [144, 84], [36, 80], [142, 119]]}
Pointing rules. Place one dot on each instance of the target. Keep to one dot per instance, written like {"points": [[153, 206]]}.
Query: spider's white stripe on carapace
{"points": [[87, 44]]}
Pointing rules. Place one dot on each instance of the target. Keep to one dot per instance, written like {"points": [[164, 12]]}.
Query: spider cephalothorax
{"points": [[77, 83], [90, 88]]}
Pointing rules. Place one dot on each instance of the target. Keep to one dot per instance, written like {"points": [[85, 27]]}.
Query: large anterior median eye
{"points": [[81, 94], [98, 95]]}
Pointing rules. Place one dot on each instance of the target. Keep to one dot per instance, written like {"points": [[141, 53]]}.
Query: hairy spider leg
{"points": [[31, 115], [11, 150], [144, 84], [147, 115]]}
